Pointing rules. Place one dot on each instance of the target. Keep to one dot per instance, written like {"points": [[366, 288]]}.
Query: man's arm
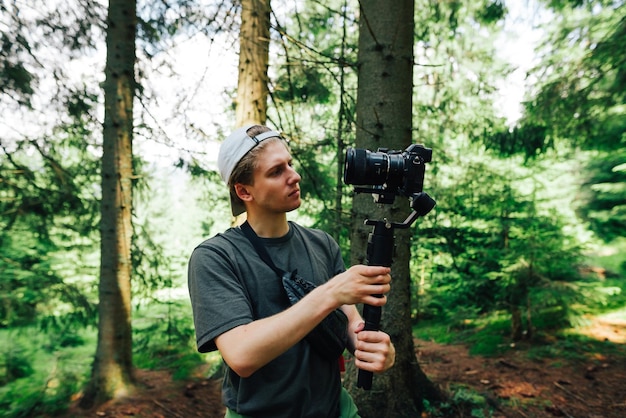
{"points": [[249, 347]]}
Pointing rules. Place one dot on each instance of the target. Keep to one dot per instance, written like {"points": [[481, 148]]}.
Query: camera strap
{"points": [[330, 337], [260, 248]]}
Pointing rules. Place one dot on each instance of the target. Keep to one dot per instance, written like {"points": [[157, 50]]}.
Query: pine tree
{"points": [[112, 368]]}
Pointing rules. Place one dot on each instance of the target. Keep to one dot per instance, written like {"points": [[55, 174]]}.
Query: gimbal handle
{"points": [[379, 253], [380, 247]]}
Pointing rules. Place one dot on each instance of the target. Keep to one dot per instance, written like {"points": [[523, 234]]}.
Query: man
{"points": [[239, 303]]}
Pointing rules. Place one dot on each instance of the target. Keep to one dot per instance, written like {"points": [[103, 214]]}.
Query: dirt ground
{"points": [[514, 385]]}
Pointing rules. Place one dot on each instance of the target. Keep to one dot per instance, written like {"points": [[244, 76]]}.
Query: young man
{"points": [[240, 306]]}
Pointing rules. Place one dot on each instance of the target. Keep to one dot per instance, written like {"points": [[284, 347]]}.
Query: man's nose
{"points": [[294, 177]]}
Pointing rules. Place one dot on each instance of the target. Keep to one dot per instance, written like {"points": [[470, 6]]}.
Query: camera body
{"points": [[387, 173]]}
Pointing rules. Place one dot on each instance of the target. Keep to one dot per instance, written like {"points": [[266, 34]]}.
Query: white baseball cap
{"points": [[232, 150]]}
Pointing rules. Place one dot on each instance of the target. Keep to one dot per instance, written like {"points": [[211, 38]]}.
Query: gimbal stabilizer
{"points": [[395, 173]]}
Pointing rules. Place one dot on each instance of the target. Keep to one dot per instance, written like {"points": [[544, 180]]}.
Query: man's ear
{"points": [[242, 192]]}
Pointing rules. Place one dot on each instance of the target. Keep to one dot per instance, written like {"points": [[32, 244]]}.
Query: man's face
{"points": [[276, 186]]}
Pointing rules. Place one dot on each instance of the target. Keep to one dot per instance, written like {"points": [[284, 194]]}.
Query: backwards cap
{"points": [[232, 150]]}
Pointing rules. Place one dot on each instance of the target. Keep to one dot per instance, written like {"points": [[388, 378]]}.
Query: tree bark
{"points": [[384, 119], [252, 82], [112, 368], [254, 38]]}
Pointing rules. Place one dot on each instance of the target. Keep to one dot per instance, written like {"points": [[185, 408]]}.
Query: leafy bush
{"points": [[16, 365], [29, 398], [462, 402], [167, 337]]}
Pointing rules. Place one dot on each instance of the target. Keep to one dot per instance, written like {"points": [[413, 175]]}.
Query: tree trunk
{"points": [[112, 368], [252, 88], [254, 37], [384, 119]]}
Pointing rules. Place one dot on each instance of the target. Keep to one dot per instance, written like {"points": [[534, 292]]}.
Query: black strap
{"points": [[260, 248]]}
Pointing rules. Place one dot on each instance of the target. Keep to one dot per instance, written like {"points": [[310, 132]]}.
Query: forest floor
{"points": [[513, 384]]}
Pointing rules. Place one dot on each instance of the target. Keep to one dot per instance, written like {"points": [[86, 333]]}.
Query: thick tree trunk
{"points": [[254, 37], [112, 367], [384, 119]]}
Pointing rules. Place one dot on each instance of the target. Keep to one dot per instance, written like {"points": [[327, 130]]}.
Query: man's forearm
{"points": [[249, 347], [354, 321]]}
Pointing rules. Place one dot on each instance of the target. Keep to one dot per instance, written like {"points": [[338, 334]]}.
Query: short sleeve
{"points": [[219, 300]]}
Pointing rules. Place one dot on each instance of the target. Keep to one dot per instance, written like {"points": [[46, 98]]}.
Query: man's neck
{"points": [[269, 226]]}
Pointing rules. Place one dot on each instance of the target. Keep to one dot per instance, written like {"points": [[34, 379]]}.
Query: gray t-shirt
{"points": [[230, 285]]}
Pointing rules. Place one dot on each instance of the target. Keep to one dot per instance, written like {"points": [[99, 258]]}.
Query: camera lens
{"points": [[365, 167], [387, 172]]}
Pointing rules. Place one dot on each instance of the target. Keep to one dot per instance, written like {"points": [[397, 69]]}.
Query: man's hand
{"points": [[359, 284], [374, 351]]}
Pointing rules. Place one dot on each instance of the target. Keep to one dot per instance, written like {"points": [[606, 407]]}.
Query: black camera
{"points": [[389, 173]]}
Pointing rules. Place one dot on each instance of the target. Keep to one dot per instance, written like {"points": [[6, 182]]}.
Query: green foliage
{"points": [[15, 365], [528, 140], [301, 84], [22, 400], [51, 369], [48, 211], [466, 240], [558, 309], [602, 198], [488, 344], [159, 24], [28, 68], [499, 247], [15, 77], [485, 335], [152, 269], [462, 402], [488, 336], [581, 77], [164, 337], [435, 330], [573, 347], [493, 12], [48, 369], [457, 66], [612, 269]]}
